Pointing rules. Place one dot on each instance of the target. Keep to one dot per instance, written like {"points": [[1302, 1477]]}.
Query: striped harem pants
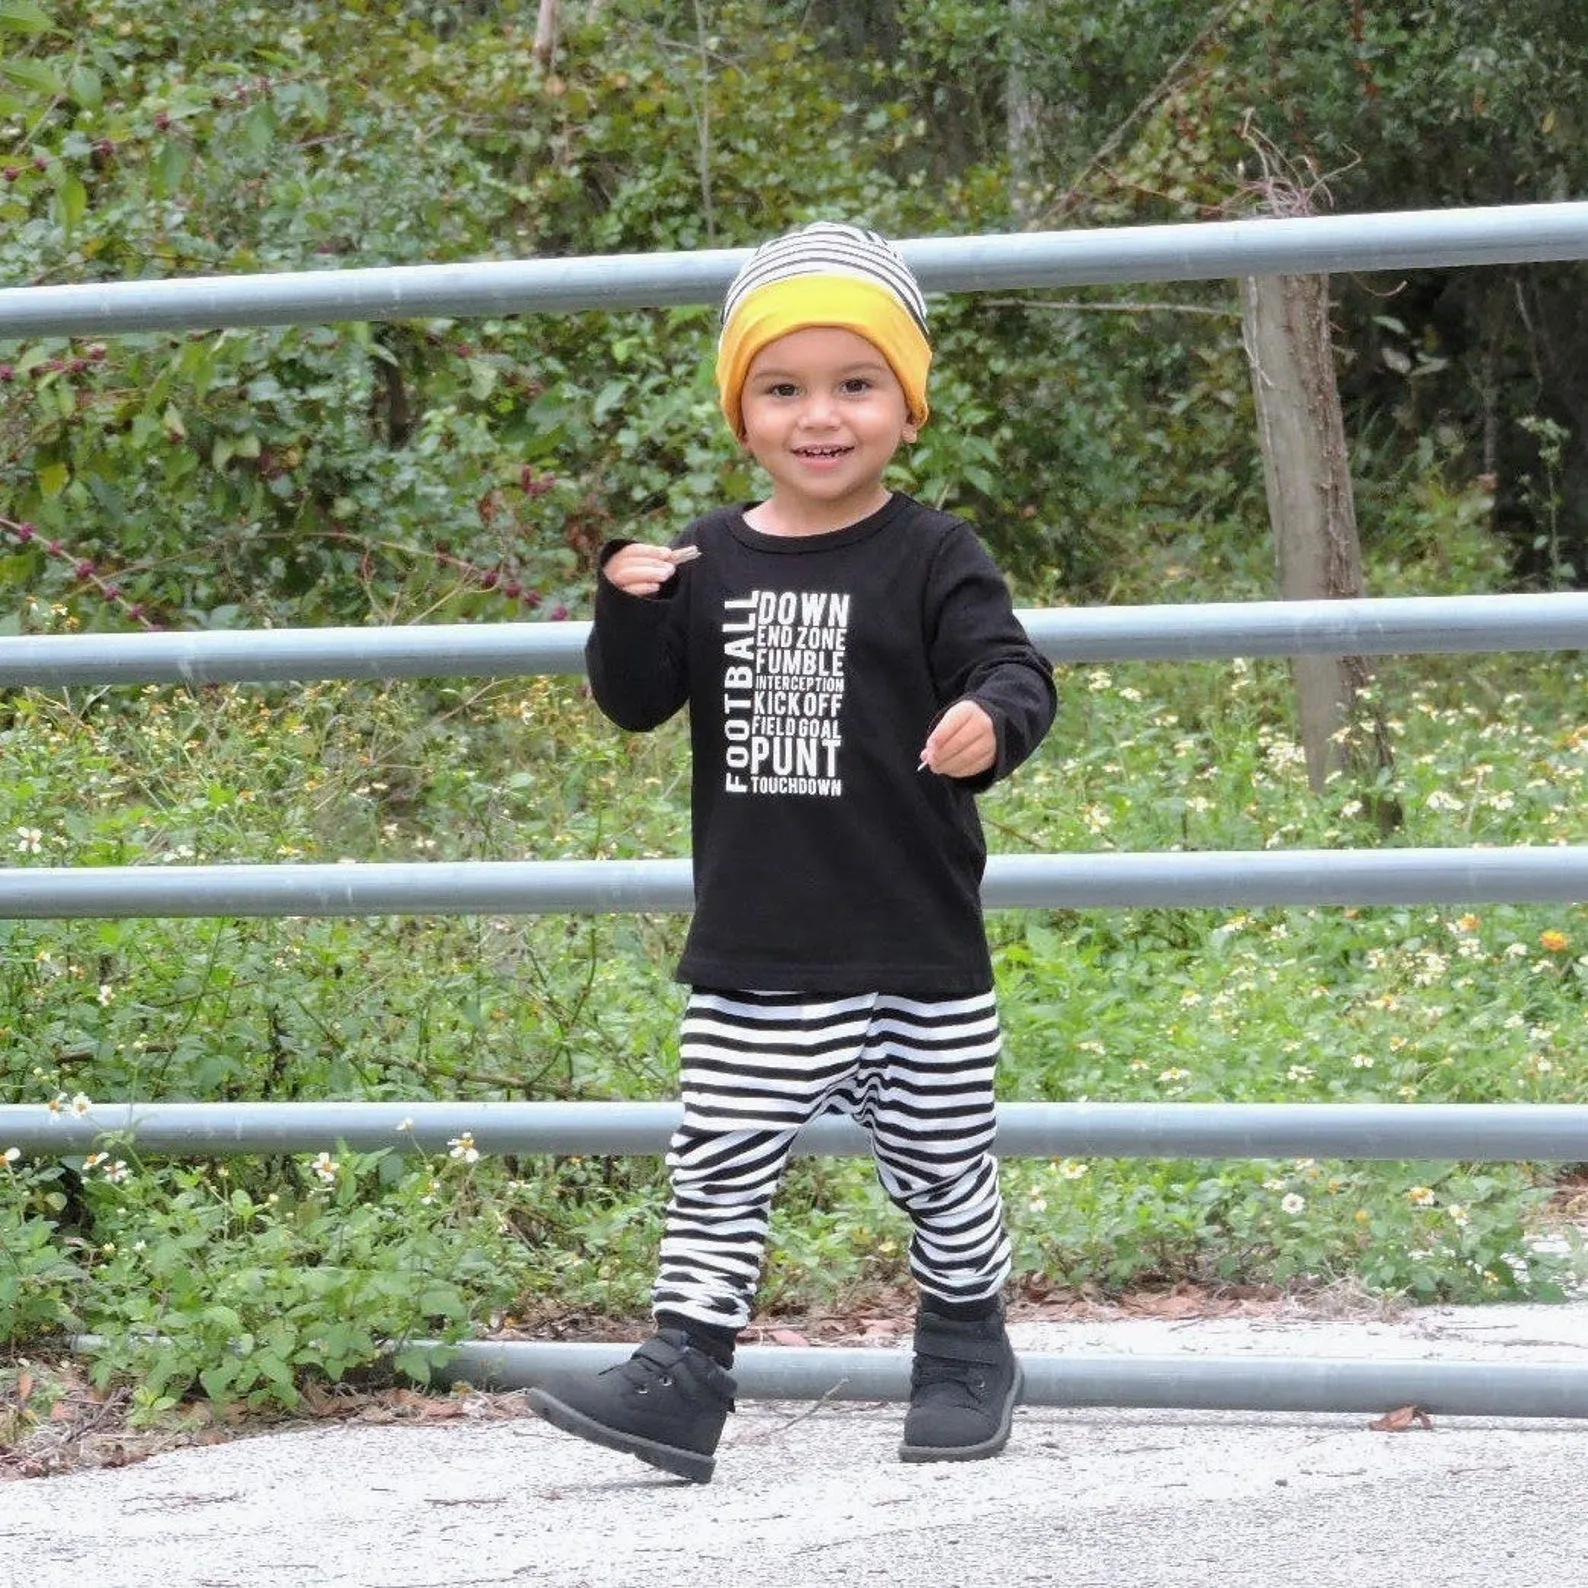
{"points": [[756, 1066]]}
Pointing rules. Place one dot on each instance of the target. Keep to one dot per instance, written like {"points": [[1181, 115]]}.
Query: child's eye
{"points": [[856, 384], [782, 388]]}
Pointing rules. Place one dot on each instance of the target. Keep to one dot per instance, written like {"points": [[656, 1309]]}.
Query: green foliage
{"points": [[456, 470], [38, 1279], [1462, 1236], [320, 1267], [247, 1295], [272, 1008], [331, 471]]}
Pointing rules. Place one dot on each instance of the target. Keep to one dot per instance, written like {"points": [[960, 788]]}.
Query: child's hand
{"points": [[642, 570], [963, 743]]}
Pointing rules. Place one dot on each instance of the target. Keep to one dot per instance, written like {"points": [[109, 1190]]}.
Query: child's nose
{"points": [[820, 409]]}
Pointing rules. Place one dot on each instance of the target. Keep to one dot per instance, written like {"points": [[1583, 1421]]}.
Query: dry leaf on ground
{"points": [[1402, 1418]]}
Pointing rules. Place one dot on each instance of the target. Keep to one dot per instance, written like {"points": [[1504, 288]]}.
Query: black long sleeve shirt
{"points": [[814, 667]]}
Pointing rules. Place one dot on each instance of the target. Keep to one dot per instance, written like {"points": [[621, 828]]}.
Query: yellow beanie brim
{"points": [[799, 303]]}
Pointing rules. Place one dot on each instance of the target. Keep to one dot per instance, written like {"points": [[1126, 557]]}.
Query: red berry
{"points": [[163, 120], [7, 372], [25, 532], [558, 613], [85, 569], [12, 173], [489, 578]]}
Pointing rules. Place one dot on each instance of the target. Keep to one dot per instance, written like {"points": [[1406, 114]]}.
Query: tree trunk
{"points": [[545, 45], [1022, 115], [1310, 503]]}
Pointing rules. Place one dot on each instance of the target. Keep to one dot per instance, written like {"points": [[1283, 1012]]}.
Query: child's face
{"points": [[823, 415]]}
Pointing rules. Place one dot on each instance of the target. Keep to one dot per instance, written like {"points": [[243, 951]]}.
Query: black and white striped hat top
{"points": [[829, 248]]}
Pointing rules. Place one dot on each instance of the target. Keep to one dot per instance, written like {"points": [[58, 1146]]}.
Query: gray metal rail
{"points": [[1470, 1132], [1198, 879], [1200, 251], [1184, 632], [1193, 1383]]}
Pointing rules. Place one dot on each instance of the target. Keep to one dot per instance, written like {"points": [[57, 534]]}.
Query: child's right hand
{"points": [[642, 570]]}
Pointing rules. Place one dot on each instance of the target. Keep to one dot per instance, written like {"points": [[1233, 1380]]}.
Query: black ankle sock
{"points": [[716, 1340], [961, 1311]]}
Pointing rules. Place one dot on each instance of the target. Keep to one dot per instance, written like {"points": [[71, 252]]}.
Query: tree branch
{"points": [[1068, 200], [1113, 308]]}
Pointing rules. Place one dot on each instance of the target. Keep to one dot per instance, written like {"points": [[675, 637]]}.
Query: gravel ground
{"points": [[812, 1495]]}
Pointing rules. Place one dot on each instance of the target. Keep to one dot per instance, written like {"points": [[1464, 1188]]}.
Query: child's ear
{"points": [[912, 432]]}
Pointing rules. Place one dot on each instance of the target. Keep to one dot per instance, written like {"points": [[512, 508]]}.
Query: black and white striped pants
{"points": [[917, 1075]]}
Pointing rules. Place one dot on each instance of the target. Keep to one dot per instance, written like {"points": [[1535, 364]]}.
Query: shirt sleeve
{"points": [[980, 651], [637, 654]]}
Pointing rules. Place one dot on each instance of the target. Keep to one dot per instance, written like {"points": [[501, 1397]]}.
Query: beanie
{"points": [[826, 273]]}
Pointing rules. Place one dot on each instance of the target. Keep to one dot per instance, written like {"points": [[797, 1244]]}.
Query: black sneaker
{"points": [[963, 1390], [666, 1405]]}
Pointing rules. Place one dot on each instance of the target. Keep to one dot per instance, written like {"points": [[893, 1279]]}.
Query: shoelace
{"points": [[642, 1373]]}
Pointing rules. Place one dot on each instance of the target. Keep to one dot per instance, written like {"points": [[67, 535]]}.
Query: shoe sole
{"points": [[979, 1452], [680, 1463]]}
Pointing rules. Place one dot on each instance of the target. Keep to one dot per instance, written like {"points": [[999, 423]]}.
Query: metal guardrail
{"points": [[1409, 240], [1381, 626], [1472, 1132], [1199, 251], [1184, 1382], [1110, 879]]}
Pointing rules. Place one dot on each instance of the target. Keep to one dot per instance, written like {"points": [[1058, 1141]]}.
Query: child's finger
{"points": [[640, 570], [954, 724], [963, 742]]}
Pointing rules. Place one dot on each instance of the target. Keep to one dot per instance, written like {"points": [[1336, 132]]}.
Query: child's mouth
{"points": [[821, 454]]}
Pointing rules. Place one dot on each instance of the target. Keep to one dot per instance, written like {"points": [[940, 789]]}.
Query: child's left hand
{"points": [[963, 743]]}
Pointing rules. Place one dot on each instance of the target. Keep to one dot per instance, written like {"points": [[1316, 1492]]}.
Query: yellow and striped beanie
{"points": [[826, 273]]}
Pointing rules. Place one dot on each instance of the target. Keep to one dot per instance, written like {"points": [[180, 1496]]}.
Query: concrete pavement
{"points": [[810, 1495]]}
